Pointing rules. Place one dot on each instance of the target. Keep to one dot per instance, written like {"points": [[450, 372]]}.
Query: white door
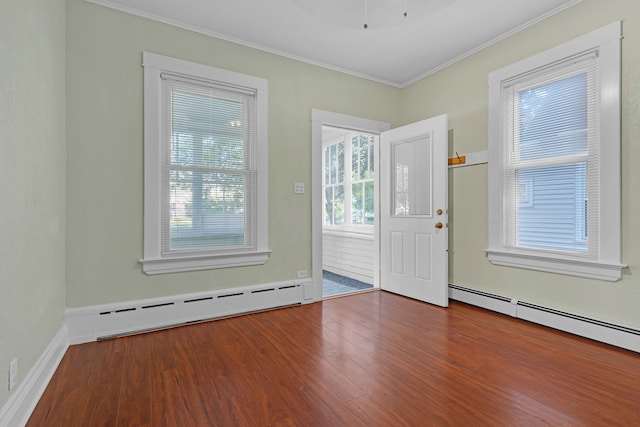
{"points": [[413, 211]]}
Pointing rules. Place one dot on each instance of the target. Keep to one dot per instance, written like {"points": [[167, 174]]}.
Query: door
{"points": [[413, 211]]}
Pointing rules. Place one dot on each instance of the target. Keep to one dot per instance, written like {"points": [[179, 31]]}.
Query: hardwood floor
{"points": [[371, 359]]}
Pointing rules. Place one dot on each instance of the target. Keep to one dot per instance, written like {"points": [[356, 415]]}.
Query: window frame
{"points": [[155, 261], [347, 226], [606, 263]]}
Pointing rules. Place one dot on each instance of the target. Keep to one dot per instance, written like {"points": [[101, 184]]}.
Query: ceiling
{"points": [[394, 49]]}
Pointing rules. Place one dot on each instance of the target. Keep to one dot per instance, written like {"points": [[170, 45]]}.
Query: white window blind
{"points": [[551, 164], [208, 161]]}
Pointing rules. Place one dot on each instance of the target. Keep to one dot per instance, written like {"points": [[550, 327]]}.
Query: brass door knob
{"points": [[438, 225]]}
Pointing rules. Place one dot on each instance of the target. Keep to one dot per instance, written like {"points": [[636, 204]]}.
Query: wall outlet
{"points": [[302, 274], [13, 374], [298, 188]]}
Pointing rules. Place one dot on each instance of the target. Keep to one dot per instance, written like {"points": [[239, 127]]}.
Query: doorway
{"points": [[413, 259], [344, 230], [349, 197]]}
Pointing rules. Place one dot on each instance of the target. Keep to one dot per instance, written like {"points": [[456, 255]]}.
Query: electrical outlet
{"points": [[298, 188], [302, 274], [13, 374]]}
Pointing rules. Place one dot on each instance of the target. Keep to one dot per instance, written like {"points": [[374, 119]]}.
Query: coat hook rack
{"points": [[457, 160], [469, 159]]}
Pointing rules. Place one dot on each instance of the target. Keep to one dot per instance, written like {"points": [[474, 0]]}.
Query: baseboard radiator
{"points": [[610, 333], [86, 324]]}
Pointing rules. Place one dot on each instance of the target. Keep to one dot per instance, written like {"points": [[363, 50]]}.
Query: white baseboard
{"points": [[598, 330], [17, 410], [86, 324]]}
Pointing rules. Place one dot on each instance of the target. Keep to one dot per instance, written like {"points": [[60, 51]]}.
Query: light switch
{"points": [[298, 188]]}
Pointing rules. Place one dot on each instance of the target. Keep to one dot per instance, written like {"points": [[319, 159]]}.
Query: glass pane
{"points": [[207, 131], [368, 203], [553, 119], [355, 150], [328, 207], [364, 157], [371, 151], [327, 163], [357, 205], [180, 199], [207, 210], [552, 207], [338, 205], [340, 155], [333, 165], [411, 170]]}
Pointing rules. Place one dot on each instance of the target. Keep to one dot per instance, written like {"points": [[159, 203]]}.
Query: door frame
{"points": [[321, 118]]}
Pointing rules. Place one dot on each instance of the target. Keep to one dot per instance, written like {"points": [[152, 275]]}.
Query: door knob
{"points": [[438, 225]]}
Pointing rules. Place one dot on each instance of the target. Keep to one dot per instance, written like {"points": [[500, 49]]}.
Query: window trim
{"points": [[608, 265], [154, 262]]}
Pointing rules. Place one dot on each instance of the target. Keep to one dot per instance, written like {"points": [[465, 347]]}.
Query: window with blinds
{"points": [[551, 163], [208, 187], [205, 167], [554, 159]]}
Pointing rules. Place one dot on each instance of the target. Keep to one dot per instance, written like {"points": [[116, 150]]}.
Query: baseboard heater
{"points": [[189, 322], [108, 321], [610, 333]]}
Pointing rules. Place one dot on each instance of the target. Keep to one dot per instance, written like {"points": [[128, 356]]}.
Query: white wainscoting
{"points": [[349, 254], [598, 330]]}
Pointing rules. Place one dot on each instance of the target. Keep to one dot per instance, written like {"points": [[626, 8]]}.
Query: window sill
{"points": [[574, 267], [202, 262]]}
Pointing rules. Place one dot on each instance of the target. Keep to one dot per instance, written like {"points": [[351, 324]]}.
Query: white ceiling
{"points": [[394, 49]]}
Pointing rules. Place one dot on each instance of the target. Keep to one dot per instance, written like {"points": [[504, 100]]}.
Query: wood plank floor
{"points": [[372, 359]]}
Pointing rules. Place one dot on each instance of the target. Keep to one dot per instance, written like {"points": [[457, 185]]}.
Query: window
{"points": [[205, 167], [554, 165], [346, 180], [362, 177], [334, 183]]}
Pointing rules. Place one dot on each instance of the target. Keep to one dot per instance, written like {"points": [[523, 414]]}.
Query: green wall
{"points": [[104, 127], [105, 144], [461, 91], [32, 180]]}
